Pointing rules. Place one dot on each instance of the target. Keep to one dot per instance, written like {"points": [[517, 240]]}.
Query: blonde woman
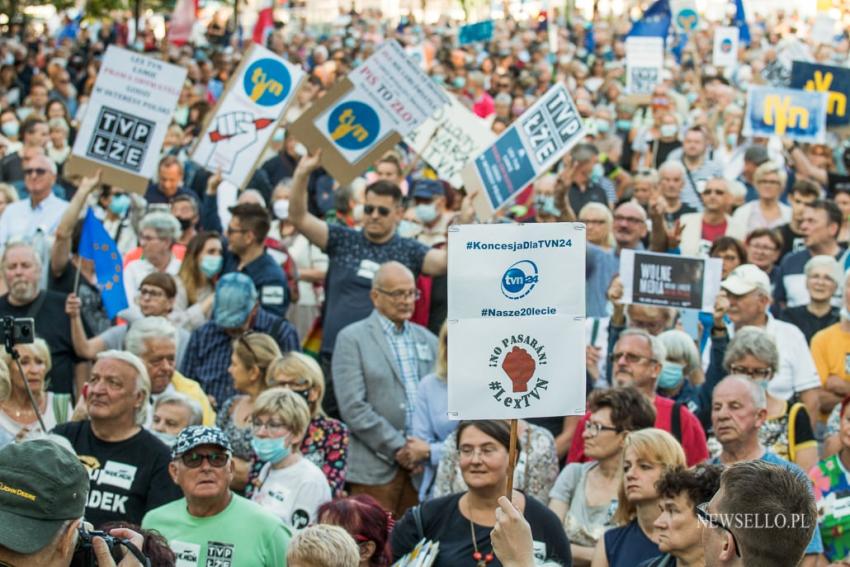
{"points": [[8, 194], [600, 222], [326, 441], [17, 417], [647, 455]]}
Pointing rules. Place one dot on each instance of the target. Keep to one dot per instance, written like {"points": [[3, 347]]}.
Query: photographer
{"points": [[40, 511]]}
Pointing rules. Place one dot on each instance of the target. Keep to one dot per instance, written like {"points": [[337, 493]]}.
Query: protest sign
{"points": [[644, 64], [128, 114], [796, 114], [670, 280], [366, 114], [449, 140], [255, 99], [479, 31], [422, 55], [529, 147], [726, 46], [834, 81], [685, 15], [823, 28], [516, 331]]}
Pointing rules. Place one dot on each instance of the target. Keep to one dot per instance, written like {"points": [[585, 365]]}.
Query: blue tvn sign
{"points": [[267, 82], [354, 125], [520, 279]]}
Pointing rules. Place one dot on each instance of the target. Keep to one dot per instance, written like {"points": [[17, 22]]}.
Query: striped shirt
{"points": [[695, 178], [403, 346]]}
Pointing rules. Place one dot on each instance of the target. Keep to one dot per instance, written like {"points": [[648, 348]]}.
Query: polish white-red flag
{"points": [[185, 15]]}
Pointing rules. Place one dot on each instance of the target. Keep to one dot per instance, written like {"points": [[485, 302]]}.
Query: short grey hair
{"points": [[650, 175], [143, 381], [163, 223], [753, 341], [599, 208], [659, 353], [828, 262], [58, 124], [672, 165], [756, 392], [680, 346], [503, 98], [196, 414], [149, 328], [251, 196], [20, 244], [737, 189]]}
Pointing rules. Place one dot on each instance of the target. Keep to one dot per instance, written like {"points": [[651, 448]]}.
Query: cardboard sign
{"points": [[529, 147], [449, 140], [726, 46], [644, 64], [237, 133], [794, 113], [516, 332], [670, 280], [479, 31], [685, 15], [128, 114], [834, 81], [365, 115]]}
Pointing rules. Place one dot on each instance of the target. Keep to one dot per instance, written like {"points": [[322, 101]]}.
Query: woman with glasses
{"points": [[647, 455], [288, 485], [764, 246], [730, 251], [252, 355], [823, 277], [684, 496], [767, 211], [585, 494], [462, 522], [600, 222], [326, 441], [367, 522]]}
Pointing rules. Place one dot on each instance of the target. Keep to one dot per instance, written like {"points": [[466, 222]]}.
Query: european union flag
{"points": [[655, 21], [741, 22], [97, 246]]}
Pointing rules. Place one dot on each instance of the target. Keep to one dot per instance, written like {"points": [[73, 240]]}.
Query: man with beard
{"points": [[21, 269]]}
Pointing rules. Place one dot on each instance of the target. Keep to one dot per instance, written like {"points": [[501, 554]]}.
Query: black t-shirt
{"points": [[54, 326], [128, 478], [807, 322], [95, 319], [593, 193], [836, 182], [791, 241], [442, 521], [664, 149]]}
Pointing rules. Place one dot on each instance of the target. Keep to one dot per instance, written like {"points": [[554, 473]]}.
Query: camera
{"points": [[84, 555], [17, 330]]}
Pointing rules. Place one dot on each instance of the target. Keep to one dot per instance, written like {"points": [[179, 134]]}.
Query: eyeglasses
{"points": [[706, 516], [37, 171], [271, 426], [383, 211], [768, 182], [755, 373], [630, 220], [720, 192], [762, 248], [231, 230], [403, 294], [154, 293], [194, 459], [148, 237], [594, 222], [594, 428], [631, 358], [467, 452]]}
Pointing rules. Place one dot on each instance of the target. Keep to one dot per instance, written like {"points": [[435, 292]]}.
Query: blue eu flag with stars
{"points": [[655, 21], [97, 246]]}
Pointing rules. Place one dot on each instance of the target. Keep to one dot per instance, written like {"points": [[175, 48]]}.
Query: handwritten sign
{"points": [[834, 81], [794, 113], [670, 280]]}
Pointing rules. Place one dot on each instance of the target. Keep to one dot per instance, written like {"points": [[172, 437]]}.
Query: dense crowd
{"points": [[278, 384]]}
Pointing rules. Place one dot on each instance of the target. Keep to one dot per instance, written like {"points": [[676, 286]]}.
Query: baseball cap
{"points": [[42, 485], [746, 278], [235, 297], [428, 189], [756, 154], [197, 435]]}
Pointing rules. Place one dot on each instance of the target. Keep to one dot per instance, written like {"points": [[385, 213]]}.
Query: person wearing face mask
{"points": [[584, 176], [185, 209], [199, 271], [681, 373], [288, 485], [172, 413], [119, 213], [429, 197]]}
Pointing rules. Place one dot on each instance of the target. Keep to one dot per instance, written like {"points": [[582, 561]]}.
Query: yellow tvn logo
{"points": [[17, 492], [348, 125], [836, 102], [779, 113], [263, 84]]}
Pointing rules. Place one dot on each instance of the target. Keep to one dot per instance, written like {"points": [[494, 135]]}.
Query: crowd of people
{"points": [[277, 387]]}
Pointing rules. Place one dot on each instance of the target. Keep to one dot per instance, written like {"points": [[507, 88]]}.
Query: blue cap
{"points": [[428, 189], [235, 297], [197, 435]]}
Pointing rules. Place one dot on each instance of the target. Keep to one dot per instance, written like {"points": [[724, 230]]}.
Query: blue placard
{"points": [[505, 167], [792, 113], [835, 81], [479, 31]]}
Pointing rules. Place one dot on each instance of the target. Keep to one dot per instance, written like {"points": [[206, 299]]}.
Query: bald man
{"points": [[629, 226], [41, 209], [377, 365]]}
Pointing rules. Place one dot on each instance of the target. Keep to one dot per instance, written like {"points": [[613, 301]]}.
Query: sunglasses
{"points": [[193, 459], [383, 211], [37, 171]]}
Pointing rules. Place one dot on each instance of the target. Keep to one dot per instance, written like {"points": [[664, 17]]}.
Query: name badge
{"points": [[367, 269], [423, 352]]}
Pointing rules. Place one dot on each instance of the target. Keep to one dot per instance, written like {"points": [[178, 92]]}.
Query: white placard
{"points": [[450, 139], [644, 64], [670, 280], [823, 29], [129, 111], [726, 46], [685, 15], [247, 116]]}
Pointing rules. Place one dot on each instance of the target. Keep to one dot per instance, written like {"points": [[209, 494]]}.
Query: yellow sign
{"points": [[779, 113], [836, 101]]}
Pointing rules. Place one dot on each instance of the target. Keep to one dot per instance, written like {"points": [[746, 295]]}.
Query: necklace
{"points": [[481, 560]]}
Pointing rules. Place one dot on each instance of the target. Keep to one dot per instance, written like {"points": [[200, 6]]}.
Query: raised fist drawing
{"points": [[229, 136], [519, 366]]}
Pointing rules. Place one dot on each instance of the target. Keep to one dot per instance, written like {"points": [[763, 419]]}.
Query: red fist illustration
{"points": [[519, 366]]}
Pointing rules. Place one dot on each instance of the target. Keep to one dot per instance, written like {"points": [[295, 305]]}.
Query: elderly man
{"points": [[22, 271], [636, 360], [41, 211], [700, 230], [377, 366], [430, 211], [158, 232], [583, 178], [236, 311], [172, 413], [748, 292], [738, 411], [154, 341], [127, 465], [211, 525], [755, 489], [696, 156], [671, 182], [629, 227]]}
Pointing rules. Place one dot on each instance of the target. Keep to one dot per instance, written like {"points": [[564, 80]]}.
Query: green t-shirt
{"points": [[242, 534]]}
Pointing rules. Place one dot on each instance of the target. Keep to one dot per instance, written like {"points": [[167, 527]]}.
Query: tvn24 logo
{"points": [[519, 279]]}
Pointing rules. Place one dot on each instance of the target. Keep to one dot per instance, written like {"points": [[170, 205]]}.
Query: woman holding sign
{"points": [[462, 522]]}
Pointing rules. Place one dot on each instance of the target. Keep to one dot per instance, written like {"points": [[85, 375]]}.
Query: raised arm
{"points": [[61, 252], [315, 229], [83, 346], [802, 163]]}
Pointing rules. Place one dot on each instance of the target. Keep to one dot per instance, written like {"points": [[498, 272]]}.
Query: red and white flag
{"points": [[180, 28], [265, 21]]}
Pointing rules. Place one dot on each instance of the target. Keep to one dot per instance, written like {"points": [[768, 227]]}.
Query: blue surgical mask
{"points": [[211, 265], [602, 126], [426, 212], [119, 204], [669, 130], [166, 438], [439, 79], [408, 229], [624, 124], [11, 129], [278, 135], [270, 450], [732, 139], [763, 384], [459, 82], [597, 173], [692, 98], [671, 375]]}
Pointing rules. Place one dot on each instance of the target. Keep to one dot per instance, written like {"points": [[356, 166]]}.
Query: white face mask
{"points": [[357, 213], [300, 149], [281, 209]]}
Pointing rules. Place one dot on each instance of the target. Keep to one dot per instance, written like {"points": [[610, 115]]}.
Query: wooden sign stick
{"points": [[512, 460]]}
